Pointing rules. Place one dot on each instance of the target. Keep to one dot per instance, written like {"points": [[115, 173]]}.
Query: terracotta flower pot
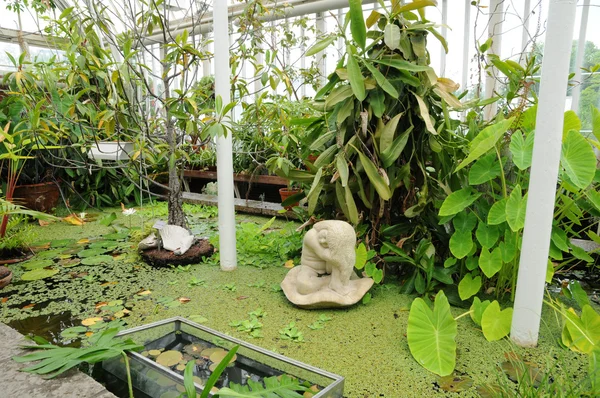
{"points": [[286, 193], [5, 277], [39, 197]]}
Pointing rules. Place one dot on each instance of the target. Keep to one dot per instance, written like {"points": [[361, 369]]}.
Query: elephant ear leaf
{"points": [[431, 335]]}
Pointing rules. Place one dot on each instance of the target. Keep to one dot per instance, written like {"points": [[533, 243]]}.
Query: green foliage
{"points": [[431, 335], [282, 386], [291, 332], [55, 360], [251, 326]]}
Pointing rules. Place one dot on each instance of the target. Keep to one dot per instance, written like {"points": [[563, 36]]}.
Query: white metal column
{"points": [[445, 35], [320, 27], [576, 90], [227, 249], [525, 31], [495, 32], [544, 174]]}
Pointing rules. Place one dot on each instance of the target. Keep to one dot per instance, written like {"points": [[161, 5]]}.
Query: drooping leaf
{"points": [[431, 335], [387, 133], [490, 263], [402, 65], [484, 170], [351, 206], [392, 153], [571, 122], [495, 323], [521, 149], [425, 115], [578, 159], [469, 286], [458, 201], [380, 185], [357, 23], [464, 221], [382, 81], [320, 45], [357, 80], [515, 209], [391, 36], [485, 140], [338, 94]]}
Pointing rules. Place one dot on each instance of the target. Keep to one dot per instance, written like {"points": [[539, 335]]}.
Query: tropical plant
{"points": [[55, 360], [387, 142]]}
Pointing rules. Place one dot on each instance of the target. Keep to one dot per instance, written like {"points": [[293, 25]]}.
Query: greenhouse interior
{"points": [[301, 198]]}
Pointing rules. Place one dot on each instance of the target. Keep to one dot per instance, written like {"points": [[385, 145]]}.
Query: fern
{"points": [[283, 386]]}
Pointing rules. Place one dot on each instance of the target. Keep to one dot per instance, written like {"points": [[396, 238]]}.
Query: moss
{"points": [[365, 343]]}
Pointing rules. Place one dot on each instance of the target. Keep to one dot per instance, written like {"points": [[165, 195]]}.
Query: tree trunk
{"points": [[176, 214]]}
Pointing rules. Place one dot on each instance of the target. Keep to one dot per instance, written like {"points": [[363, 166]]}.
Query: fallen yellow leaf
{"points": [[73, 219], [144, 293], [91, 321], [88, 334], [184, 300], [83, 241], [289, 264]]}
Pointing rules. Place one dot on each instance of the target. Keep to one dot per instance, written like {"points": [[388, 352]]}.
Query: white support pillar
{"points": [[525, 31], [465, 54], [445, 35], [206, 61], [576, 90], [227, 249], [320, 25], [495, 32], [544, 174]]}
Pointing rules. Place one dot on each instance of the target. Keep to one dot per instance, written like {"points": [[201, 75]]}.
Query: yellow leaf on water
{"points": [[91, 321], [289, 264], [83, 241], [89, 334], [144, 293], [73, 219]]}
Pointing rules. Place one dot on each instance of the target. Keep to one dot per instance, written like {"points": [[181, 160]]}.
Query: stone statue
{"points": [[326, 277]]}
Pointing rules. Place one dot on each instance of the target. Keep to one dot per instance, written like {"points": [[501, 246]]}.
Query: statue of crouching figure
{"points": [[326, 277]]}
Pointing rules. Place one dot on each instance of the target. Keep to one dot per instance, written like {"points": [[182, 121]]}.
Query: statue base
{"points": [[324, 297]]}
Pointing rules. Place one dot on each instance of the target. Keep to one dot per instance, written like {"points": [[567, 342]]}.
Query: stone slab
{"points": [[242, 205], [17, 384]]}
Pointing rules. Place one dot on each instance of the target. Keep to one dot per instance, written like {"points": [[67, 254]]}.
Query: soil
{"points": [[13, 256], [161, 258]]}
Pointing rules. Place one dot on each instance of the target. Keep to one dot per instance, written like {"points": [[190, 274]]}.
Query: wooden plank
{"points": [[254, 179], [245, 206]]}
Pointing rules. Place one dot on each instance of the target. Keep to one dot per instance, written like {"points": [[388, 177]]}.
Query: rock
{"points": [[325, 277], [151, 241], [176, 239]]}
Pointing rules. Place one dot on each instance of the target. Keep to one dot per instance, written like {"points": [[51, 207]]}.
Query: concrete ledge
{"points": [[16, 384], [245, 206]]}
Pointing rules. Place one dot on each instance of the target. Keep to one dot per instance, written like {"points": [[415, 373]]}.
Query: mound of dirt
{"points": [[162, 258]]}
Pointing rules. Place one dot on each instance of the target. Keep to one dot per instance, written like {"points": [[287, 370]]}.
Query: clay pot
{"points": [[5, 276], [286, 193], [39, 197]]}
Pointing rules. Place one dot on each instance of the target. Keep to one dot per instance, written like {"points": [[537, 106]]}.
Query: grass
{"points": [[364, 343]]}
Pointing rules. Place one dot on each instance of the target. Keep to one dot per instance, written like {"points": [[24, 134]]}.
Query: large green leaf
{"points": [[320, 45], [469, 286], [490, 263], [457, 201], [578, 159], [342, 167], [477, 309], [357, 80], [338, 94], [495, 324], [487, 235], [97, 260], [391, 36], [431, 335], [39, 273], [36, 264], [584, 331], [515, 209], [485, 140], [497, 213], [357, 23], [571, 122], [381, 186], [464, 221], [387, 133], [393, 152], [382, 81], [461, 243], [595, 122], [351, 205], [484, 169], [521, 149], [402, 65]]}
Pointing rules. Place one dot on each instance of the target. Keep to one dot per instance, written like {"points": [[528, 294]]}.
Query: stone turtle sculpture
{"points": [[325, 277]]}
